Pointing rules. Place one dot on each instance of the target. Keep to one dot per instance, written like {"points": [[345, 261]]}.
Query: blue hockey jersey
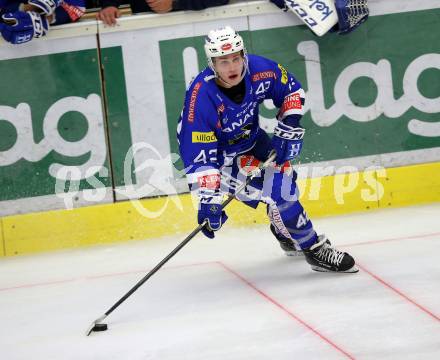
{"points": [[212, 127]]}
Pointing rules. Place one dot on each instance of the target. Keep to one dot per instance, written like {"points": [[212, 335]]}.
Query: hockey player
{"points": [[220, 141], [21, 20]]}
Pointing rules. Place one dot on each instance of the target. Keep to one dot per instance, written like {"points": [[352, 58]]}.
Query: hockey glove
{"points": [[20, 27], [287, 142], [47, 7], [210, 209]]}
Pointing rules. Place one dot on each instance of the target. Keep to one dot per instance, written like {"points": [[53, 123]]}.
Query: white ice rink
{"points": [[234, 297]]}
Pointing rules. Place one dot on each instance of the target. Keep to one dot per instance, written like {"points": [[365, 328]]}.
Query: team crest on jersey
{"points": [[221, 109]]}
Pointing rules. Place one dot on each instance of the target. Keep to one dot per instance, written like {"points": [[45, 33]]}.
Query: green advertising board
{"points": [[374, 92], [52, 126]]}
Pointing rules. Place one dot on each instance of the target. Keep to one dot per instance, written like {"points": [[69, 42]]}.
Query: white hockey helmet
{"points": [[221, 42]]}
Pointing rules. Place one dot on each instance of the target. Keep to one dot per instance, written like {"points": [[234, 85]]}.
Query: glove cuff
{"points": [[40, 24], [288, 132], [47, 7]]}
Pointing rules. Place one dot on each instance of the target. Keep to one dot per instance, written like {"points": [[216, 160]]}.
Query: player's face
{"points": [[229, 68]]}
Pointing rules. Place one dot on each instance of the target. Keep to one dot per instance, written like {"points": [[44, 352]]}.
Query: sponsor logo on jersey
{"points": [[203, 137], [193, 101], [263, 75], [243, 116], [291, 102], [284, 77], [211, 181], [227, 46]]}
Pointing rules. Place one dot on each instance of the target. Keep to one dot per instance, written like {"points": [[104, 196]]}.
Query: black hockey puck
{"points": [[100, 327]]}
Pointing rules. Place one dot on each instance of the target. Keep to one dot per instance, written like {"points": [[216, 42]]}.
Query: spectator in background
{"points": [[22, 20], [110, 12]]}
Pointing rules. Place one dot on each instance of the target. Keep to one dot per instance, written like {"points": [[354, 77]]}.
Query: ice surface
{"points": [[234, 297]]}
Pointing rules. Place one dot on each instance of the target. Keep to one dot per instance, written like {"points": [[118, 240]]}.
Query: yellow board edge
{"points": [[152, 218], [2, 240]]}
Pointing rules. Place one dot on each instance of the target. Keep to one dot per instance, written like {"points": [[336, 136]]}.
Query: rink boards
{"points": [[170, 215]]}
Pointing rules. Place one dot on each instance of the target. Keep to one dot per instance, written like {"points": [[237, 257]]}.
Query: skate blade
{"points": [[352, 270], [294, 253]]}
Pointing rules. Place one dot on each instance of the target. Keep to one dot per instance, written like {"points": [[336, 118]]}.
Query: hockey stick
{"points": [[98, 325]]}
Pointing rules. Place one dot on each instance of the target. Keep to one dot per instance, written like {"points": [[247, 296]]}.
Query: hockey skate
{"points": [[286, 244], [325, 258]]}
